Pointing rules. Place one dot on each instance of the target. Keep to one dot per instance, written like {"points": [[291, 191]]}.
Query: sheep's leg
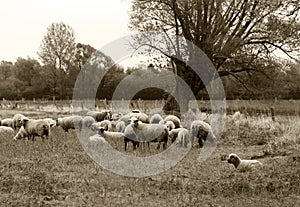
{"points": [[200, 143], [158, 145], [125, 145]]}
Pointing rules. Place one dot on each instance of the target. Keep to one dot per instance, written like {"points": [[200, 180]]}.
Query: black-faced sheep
{"points": [[201, 131], [100, 115], [151, 132], [174, 119], [17, 121], [7, 122], [31, 128], [243, 165], [70, 122]]}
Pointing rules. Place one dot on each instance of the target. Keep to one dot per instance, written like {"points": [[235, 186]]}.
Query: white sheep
{"points": [[97, 138], [120, 126], [155, 119], [201, 131], [70, 122], [151, 132], [31, 128], [141, 117], [110, 135], [173, 134], [87, 121], [183, 137], [243, 165], [52, 122], [170, 125], [7, 122], [6, 129], [17, 121], [130, 136], [106, 124], [174, 119]]}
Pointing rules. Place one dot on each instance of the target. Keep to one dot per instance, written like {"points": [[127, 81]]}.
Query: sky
{"points": [[24, 23]]}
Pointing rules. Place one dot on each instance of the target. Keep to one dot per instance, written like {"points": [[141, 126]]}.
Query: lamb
{"points": [[201, 130], [31, 128], [174, 119], [243, 165], [88, 121], [151, 132], [155, 119], [97, 138], [52, 122], [6, 129], [183, 137], [17, 121], [70, 122], [7, 122]]}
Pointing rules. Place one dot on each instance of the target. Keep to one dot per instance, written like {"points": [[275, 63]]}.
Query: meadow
{"points": [[58, 172]]}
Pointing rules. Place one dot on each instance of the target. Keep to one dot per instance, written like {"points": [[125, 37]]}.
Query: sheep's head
{"points": [[134, 121], [101, 130], [24, 120], [234, 159]]}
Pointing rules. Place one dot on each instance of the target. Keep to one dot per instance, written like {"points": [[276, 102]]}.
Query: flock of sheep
{"points": [[135, 127]]}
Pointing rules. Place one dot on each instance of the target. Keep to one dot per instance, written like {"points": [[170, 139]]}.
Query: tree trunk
{"points": [[195, 84]]}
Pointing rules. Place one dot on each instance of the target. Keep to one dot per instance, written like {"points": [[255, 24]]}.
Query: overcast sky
{"points": [[24, 23]]}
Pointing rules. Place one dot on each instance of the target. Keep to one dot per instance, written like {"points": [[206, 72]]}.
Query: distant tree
{"points": [[5, 69], [26, 69], [239, 36]]}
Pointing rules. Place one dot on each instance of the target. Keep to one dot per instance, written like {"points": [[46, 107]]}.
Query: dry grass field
{"points": [[58, 172]]}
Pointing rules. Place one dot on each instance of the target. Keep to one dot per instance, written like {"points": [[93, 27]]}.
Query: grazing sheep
{"points": [[173, 134], [70, 122], [88, 121], [110, 135], [155, 119], [17, 121], [243, 165], [151, 132], [7, 122], [120, 126], [174, 119], [183, 137], [52, 122], [201, 130], [130, 136], [100, 115], [31, 128], [6, 129]]}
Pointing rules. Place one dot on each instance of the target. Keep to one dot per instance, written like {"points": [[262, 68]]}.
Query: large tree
{"points": [[58, 51], [238, 36]]}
